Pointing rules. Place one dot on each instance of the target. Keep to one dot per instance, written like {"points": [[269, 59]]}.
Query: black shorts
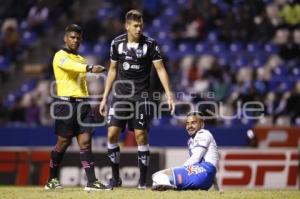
{"points": [[72, 117], [136, 114]]}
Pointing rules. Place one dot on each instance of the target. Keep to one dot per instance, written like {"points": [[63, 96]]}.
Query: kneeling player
{"points": [[199, 171]]}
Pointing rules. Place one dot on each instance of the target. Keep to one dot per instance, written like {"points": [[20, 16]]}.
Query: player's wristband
{"points": [[89, 68]]}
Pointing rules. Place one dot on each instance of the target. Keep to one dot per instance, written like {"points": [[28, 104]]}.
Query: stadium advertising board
{"points": [[251, 168], [277, 136], [32, 168]]}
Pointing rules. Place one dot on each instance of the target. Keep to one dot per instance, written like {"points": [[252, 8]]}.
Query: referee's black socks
{"points": [[87, 162], [55, 161]]}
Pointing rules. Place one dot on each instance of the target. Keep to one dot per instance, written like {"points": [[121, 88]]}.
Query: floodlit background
{"points": [[222, 54]]}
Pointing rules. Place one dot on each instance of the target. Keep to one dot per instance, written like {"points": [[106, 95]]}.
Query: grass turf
{"points": [[13, 192]]}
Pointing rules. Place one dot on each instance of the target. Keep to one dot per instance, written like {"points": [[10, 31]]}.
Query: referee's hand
{"points": [[98, 69]]}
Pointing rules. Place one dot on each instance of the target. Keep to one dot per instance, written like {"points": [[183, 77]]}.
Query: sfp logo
{"points": [[259, 168]]}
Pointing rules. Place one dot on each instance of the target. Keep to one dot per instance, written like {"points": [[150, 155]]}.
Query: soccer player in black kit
{"points": [[132, 55]]}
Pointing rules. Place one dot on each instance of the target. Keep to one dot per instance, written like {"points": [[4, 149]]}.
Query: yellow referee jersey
{"points": [[70, 74]]}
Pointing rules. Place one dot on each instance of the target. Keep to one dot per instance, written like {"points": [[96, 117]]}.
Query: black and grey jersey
{"points": [[134, 65]]}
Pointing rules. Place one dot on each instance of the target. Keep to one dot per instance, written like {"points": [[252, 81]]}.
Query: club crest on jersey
{"points": [[126, 65], [194, 169], [139, 53]]}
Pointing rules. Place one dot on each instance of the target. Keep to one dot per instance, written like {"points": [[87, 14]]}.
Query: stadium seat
{"points": [[253, 47], [296, 72], [28, 38], [100, 49], [28, 86], [240, 62], [158, 24], [186, 48], [218, 48], [281, 84], [236, 47], [4, 63], [258, 60], [169, 15], [266, 120], [212, 36], [85, 49], [107, 11], [283, 121], [202, 48], [271, 48], [260, 86]]}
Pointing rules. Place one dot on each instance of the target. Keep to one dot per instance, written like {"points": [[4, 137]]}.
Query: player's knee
{"points": [[141, 139], [63, 143], [84, 144], [112, 138], [113, 134]]}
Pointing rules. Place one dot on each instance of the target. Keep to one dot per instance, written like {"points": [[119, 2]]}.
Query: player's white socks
{"points": [[112, 145], [143, 162], [113, 153], [143, 147], [160, 178]]}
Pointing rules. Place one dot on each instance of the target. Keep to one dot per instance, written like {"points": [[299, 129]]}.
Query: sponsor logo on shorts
{"points": [[194, 169]]}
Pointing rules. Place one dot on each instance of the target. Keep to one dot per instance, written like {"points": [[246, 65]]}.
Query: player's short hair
{"points": [[133, 15], [73, 28], [196, 113]]}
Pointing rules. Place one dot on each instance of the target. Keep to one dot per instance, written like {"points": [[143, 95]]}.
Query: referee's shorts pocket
{"points": [[62, 110]]}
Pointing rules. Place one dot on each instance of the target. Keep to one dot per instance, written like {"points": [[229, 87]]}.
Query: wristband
{"points": [[89, 68]]}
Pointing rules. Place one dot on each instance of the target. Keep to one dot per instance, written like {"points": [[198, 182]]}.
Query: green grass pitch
{"points": [[13, 192]]}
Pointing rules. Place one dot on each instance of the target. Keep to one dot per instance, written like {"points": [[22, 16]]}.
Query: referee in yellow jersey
{"points": [[70, 108]]}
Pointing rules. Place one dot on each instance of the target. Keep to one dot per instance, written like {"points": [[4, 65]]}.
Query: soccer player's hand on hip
{"points": [[98, 69], [103, 108]]}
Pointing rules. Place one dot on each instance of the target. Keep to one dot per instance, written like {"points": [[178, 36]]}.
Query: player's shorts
{"points": [[72, 117], [134, 113], [197, 176]]}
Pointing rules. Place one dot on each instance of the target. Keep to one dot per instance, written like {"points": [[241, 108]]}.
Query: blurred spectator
{"points": [[92, 29], [10, 43], [4, 114], [178, 29], [291, 13], [251, 139], [17, 112], [32, 110], [227, 30], [264, 29], [272, 11], [293, 104], [112, 27], [44, 94], [211, 13], [151, 9], [288, 49], [37, 17]]}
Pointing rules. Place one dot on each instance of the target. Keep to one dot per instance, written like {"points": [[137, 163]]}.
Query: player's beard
{"points": [[191, 131]]}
